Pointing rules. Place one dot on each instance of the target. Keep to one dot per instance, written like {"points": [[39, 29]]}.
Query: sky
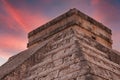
{"points": [[18, 17]]}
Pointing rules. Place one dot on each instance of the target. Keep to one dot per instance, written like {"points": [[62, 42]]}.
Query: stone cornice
{"points": [[66, 15], [114, 56], [44, 37], [67, 25]]}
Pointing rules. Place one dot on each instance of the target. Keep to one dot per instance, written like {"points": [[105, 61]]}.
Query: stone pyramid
{"points": [[72, 46]]}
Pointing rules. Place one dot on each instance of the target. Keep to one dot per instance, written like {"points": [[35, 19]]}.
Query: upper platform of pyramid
{"points": [[101, 33]]}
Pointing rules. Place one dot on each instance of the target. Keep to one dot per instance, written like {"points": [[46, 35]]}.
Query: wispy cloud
{"points": [[105, 11], [25, 21], [12, 42], [94, 2], [13, 12], [18, 21], [10, 24]]}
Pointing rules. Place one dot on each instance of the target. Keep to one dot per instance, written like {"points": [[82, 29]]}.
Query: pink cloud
{"points": [[33, 20], [104, 11], [99, 8], [6, 20], [94, 2], [26, 20], [12, 42], [14, 14]]}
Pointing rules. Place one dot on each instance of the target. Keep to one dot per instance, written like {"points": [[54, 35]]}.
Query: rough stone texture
{"points": [[73, 46], [73, 17]]}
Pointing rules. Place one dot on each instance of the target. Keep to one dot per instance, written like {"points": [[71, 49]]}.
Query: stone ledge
{"points": [[69, 24], [113, 55], [65, 15], [54, 21], [93, 21]]}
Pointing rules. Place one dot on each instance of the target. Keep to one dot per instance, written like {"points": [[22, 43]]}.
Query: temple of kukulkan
{"points": [[72, 46]]}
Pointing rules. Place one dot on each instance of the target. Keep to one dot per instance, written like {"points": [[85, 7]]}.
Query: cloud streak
{"points": [[14, 13], [6, 20], [25, 20], [105, 12], [12, 42]]}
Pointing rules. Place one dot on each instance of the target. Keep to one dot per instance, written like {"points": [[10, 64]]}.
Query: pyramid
{"points": [[72, 46]]}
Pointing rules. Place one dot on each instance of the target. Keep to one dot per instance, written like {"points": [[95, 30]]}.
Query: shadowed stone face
{"points": [[73, 46]]}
